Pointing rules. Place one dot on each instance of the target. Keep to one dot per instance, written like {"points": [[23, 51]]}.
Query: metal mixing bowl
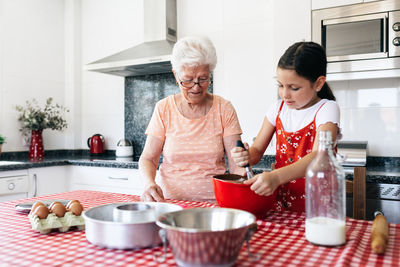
{"points": [[102, 229], [206, 236]]}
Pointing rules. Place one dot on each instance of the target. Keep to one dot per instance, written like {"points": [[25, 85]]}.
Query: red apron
{"points": [[290, 147]]}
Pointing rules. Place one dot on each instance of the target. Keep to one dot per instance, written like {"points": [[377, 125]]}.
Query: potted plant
{"points": [[35, 119], [2, 141]]}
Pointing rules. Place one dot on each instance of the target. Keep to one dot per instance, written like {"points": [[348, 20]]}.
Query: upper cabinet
{"points": [[318, 4]]}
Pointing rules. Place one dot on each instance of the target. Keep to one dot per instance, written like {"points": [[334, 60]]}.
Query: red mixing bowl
{"points": [[230, 194]]}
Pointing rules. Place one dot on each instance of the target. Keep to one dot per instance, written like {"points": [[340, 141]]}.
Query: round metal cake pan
{"points": [[102, 230]]}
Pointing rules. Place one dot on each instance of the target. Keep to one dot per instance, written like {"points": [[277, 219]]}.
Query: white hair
{"points": [[193, 51]]}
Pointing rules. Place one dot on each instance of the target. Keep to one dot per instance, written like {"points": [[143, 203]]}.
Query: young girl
{"points": [[307, 106]]}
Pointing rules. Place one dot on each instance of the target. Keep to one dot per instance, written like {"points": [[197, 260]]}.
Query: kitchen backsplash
{"points": [[375, 99], [141, 96], [370, 111]]}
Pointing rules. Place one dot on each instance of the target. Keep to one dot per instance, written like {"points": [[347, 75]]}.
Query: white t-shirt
{"points": [[294, 120]]}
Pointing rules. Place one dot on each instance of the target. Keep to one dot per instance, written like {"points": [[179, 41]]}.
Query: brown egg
{"points": [[76, 208], [58, 209], [70, 203], [35, 205], [41, 211], [52, 204]]}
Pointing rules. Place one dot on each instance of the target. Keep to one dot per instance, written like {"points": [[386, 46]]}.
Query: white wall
{"points": [[31, 63], [107, 28], [73, 73], [233, 26], [45, 44], [43, 47], [242, 34], [370, 111]]}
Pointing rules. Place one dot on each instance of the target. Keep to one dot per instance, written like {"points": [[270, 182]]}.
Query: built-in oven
{"points": [[359, 37]]}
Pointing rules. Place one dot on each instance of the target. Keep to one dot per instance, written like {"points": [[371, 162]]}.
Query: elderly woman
{"points": [[192, 129]]}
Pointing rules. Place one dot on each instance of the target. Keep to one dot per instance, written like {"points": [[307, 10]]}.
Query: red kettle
{"points": [[96, 144]]}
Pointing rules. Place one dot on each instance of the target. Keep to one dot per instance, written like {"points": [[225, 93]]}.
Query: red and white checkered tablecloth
{"points": [[280, 240]]}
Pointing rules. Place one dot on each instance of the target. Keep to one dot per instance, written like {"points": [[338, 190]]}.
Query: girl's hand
{"points": [[152, 193], [264, 184], [240, 155]]}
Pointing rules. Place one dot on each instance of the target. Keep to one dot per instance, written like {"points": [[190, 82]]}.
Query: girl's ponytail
{"points": [[326, 93], [308, 59]]}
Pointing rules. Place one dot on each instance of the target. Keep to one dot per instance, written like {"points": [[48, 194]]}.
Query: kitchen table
{"points": [[280, 241]]}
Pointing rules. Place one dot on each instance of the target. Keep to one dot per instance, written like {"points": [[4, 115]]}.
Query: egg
{"points": [[53, 203], [58, 209], [70, 203], [35, 205], [41, 211], [76, 208]]}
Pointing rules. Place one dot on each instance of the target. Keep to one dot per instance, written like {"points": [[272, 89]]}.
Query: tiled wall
{"points": [[370, 111], [141, 95]]}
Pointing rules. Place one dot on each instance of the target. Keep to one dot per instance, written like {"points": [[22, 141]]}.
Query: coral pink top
{"points": [[193, 148]]}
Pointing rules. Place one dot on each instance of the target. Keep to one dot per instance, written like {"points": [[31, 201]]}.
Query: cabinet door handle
{"points": [[118, 178], [35, 183]]}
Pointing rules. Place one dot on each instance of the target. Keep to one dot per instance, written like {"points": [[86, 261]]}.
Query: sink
{"points": [[4, 162]]}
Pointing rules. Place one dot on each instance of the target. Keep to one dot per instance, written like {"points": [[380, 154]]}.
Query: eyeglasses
{"points": [[191, 84]]}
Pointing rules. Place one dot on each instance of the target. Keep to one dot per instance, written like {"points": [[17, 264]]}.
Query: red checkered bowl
{"points": [[230, 193], [206, 236]]}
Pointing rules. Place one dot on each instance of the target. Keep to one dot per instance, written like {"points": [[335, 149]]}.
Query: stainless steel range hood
{"points": [[154, 54]]}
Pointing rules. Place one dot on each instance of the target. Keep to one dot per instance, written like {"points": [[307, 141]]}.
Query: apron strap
{"points": [[318, 111]]}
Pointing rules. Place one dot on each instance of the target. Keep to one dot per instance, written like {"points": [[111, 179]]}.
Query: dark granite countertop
{"points": [[385, 170], [110, 163], [379, 169], [19, 160]]}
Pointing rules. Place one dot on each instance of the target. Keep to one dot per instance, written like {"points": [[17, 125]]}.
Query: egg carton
{"points": [[52, 222]]}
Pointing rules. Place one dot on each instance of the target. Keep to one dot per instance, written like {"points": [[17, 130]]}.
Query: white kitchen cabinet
{"points": [[47, 180], [125, 181]]}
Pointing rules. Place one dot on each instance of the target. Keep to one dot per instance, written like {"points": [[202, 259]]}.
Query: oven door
{"points": [[355, 38]]}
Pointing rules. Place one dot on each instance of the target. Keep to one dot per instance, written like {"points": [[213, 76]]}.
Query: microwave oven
{"points": [[360, 37]]}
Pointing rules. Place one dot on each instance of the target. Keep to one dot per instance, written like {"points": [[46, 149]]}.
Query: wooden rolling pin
{"points": [[379, 233]]}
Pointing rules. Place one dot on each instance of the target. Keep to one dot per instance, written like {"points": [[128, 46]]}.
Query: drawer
{"points": [[113, 189], [96, 178]]}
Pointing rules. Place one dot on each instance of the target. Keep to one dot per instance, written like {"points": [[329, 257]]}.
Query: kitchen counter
{"points": [[99, 161], [379, 170], [385, 170], [279, 240]]}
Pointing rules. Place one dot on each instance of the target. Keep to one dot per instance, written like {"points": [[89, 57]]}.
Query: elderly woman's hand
{"points": [[240, 155], [152, 192]]}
